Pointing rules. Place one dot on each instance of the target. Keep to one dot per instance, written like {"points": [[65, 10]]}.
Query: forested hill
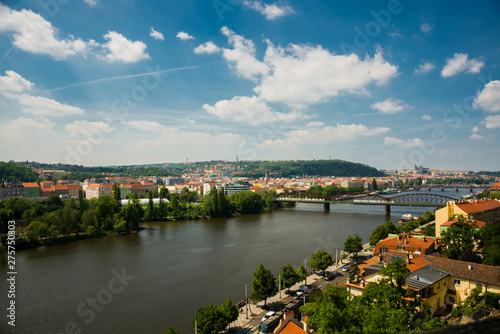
{"points": [[16, 173]]}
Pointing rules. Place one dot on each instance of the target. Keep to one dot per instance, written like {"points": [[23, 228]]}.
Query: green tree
{"points": [[490, 237], [230, 311], [248, 202], [171, 330], [36, 230], [53, 202], [382, 231], [461, 240], [150, 213], [289, 276], [353, 245], [173, 207], [210, 320], [215, 202], [429, 231], [263, 285], [320, 261], [374, 184], [223, 204], [92, 231], [70, 216], [302, 272]]}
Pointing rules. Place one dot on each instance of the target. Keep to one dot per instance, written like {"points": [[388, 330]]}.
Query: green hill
{"points": [[15, 173]]}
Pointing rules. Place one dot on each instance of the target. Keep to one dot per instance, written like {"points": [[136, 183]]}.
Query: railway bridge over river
{"points": [[413, 199]]}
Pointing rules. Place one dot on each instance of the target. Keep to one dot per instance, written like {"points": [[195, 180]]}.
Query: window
{"points": [[456, 282], [451, 299], [479, 284]]}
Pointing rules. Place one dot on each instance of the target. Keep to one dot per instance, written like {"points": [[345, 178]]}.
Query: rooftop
{"points": [[479, 206]]}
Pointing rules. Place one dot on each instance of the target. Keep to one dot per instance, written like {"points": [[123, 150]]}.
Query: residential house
{"points": [[46, 184], [138, 188], [125, 190], [487, 211], [96, 190], [46, 192], [495, 188], [234, 188], [447, 225], [8, 190], [406, 242], [31, 189], [73, 190], [61, 190], [148, 186]]}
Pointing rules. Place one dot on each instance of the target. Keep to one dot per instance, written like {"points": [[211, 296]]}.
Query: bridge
{"points": [[456, 186], [415, 199]]}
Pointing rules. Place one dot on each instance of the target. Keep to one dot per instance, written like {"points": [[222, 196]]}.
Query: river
{"points": [[146, 282]]}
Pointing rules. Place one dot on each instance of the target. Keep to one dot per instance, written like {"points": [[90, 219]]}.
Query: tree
{"points": [[223, 204], [215, 202], [461, 240], [171, 330], [263, 285], [374, 184], [248, 202], [210, 320], [116, 192], [320, 261], [353, 245], [289, 276], [35, 230], [151, 209], [302, 272], [429, 231], [382, 231], [53, 202], [230, 311]]}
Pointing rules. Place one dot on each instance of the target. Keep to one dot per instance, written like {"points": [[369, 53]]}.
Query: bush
{"points": [[491, 299], [456, 312], [91, 231]]}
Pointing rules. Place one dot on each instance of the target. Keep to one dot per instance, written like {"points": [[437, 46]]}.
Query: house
{"points": [[138, 188], [96, 190], [61, 190], [148, 186], [487, 211], [46, 184], [46, 192], [73, 190], [8, 190], [406, 242], [495, 188], [31, 189], [125, 190], [447, 225]]}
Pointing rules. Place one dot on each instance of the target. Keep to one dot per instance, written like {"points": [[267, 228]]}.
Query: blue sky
{"points": [[387, 83]]}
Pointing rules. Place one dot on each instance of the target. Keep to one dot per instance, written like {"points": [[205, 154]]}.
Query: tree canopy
{"points": [[320, 261], [461, 240], [264, 284]]}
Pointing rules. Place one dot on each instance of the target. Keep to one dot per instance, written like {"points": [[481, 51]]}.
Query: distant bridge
{"points": [[456, 186], [415, 199]]}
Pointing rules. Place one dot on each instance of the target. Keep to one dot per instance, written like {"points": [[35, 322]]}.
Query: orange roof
{"points": [[136, 185], [408, 241], [147, 184], [479, 223], [73, 187], [60, 187], [47, 190], [479, 206], [30, 185], [291, 328], [496, 186], [93, 186]]}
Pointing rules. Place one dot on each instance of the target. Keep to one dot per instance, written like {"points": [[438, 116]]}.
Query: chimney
{"points": [[288, 315], [469, 267], [415, 277]]}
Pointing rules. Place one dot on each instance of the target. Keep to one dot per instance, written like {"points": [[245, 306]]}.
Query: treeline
{"points": [[332, 190], [11, 172]]}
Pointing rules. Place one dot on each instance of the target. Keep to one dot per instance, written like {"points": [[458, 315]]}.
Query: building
{"points": [[487, 211], [447, 225], [125, 190], [61, 190], [170, 181], [138, 188], [413, 244], [73, 190], [31, 189], [148, 186], [46, 184], [96, 190], [234, 188], [8, 190], [495, 188]]}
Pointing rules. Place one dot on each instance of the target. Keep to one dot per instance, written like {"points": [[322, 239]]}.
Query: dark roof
{"points": [[424, 277], [466, 270]]}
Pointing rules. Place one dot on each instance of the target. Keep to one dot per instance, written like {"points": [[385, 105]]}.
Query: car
{"points": [[329, 276], [303, 289], [346, 268], [267, 315]]}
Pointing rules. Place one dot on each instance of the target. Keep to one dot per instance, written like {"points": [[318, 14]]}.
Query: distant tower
{"points": [[236, 158], [266, 176]]}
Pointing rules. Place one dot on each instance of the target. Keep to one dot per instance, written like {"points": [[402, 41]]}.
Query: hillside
{"points": [[15, 173]]}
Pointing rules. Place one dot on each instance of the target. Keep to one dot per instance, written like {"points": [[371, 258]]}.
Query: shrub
{"points": [[491, 299]]}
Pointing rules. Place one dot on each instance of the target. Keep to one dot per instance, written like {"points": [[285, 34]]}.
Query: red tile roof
{"points": [[30, 185], [496, 186], [479, 223], [479, 206], [291, 328]]}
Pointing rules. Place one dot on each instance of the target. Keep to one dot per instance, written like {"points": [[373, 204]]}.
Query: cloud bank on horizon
{"points": [[253, 79]]}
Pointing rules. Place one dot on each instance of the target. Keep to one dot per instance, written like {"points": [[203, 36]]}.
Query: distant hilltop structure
{"points": [[426, 170]]}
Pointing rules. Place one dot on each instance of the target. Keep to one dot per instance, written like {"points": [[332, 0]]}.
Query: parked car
{"points": [[346, 268], [267, 315], [303, 289]]}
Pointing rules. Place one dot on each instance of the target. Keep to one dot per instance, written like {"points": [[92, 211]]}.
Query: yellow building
{"points": [[487, 211]]}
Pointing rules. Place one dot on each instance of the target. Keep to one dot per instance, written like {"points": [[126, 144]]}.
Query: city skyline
{"points": [[389, 84]]}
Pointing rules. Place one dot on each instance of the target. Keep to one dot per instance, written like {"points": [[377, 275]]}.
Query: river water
{"points": [[146, 282]]}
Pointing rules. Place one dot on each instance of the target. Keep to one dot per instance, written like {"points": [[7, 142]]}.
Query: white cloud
{"points": [[242, 56], [426, 27], [156, 35], [325, 135], [91, 3], [390, 106], [78, 128], [208, 47], [184, 36], [311, 124], [14, 83], [426, 117], [460, 63], [148, 126], [32, 33], [306, 74], [42, 106], [489, 98], [252, 110], [121, 49], [402, 143], [425, 67], [492, 122], [271, 12], [476, 136]]}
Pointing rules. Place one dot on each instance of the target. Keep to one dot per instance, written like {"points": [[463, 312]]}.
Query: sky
{"points": [[391, 84]]}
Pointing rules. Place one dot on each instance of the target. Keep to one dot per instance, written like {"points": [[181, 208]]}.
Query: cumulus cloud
{"points": [[156, 35], [242, 56], [426, 117], [91, 3], [489, 98], [426, 27], [78, 128], [32, 33], [492, 122], [271, 12], [184, 36], [42, 106], [120, 49], [147, 126], [404, 143], [14, 83], [390, 106], [325, 135], [425, 67], [311, 124], [475, 135], [252, 110], [460, 63], [208, 48]]}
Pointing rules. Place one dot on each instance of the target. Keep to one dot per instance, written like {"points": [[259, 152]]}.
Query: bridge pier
{"points": [[326, 207], [387, 209], [456, 189], [442, 188]]}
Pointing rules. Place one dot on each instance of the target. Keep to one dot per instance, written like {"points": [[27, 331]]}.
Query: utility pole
{"points": [[195, 323], [279, 285], [246, 299], [305, 266]]}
